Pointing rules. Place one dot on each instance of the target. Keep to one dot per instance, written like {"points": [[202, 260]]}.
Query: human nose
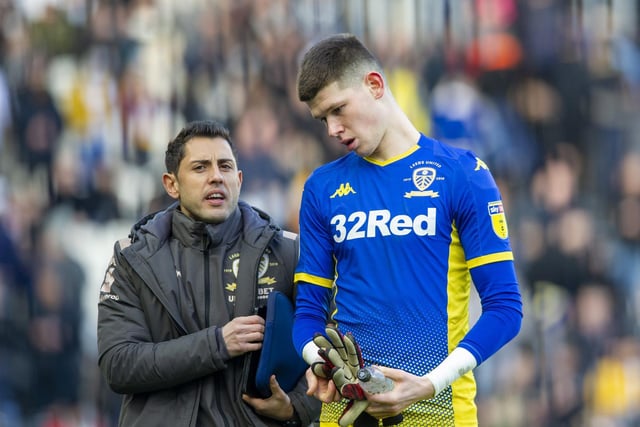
{"points": [[215, 175], [334, 127]]}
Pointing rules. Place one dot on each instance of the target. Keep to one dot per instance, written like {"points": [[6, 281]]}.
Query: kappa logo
{"points": [[422, 178], [343, 190], [480, 165]]}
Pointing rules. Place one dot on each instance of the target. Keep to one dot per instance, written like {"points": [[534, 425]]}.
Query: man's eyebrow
{"points": [[209, 162], [226, 159], [201, 161], [323, 113]]}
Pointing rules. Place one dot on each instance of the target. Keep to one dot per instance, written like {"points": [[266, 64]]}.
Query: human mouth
{"points": [[215, 198], [349, 143]]}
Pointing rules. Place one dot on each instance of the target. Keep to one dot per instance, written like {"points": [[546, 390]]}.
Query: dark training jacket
{"points": [[154, 351]]}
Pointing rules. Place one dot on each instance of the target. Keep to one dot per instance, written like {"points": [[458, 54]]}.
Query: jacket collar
{"points": [[156, 228], [200, 235]]}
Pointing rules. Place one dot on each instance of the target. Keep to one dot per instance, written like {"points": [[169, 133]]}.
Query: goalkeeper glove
{"points": [[342, 359]]}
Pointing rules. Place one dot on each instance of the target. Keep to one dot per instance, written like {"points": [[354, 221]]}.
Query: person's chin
{"points": [[219, 215], [361, 152]]}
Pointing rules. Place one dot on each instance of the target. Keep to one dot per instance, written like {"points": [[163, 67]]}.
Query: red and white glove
{"points": [[342, 358]]}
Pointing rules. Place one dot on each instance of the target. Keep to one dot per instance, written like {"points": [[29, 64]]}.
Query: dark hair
{"points": [[340, 57], [202, 128]]}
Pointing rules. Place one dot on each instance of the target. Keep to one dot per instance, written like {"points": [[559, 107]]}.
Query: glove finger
{"points": [[354, 353], [321, 369], [325, 356], [352, 411], [339, 379], [352, 391], [321, 341], [337, 361], [337, 341], [347, 388]]}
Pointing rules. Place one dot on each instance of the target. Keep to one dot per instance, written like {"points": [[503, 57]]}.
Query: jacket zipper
{"points": [[207, 303], [207, 285]]}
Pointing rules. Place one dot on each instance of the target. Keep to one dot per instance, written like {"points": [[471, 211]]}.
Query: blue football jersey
{"points": [[396, 241]]}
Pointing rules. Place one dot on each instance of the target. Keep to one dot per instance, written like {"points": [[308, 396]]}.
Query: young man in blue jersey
{"points": [[393, 235]]}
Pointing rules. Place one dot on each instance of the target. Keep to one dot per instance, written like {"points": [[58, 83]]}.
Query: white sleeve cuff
{"points": [[459, 362], [310, 353]]}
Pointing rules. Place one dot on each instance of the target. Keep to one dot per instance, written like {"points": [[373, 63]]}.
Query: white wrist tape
{"points": [[458, 363], [310, 353]]}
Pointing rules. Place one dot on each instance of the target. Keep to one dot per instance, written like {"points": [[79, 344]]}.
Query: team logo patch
{"points": [[105, 289], [263, 269], [108, 277], [264, 264], [422, 178], [498, 219], [343, 190]]}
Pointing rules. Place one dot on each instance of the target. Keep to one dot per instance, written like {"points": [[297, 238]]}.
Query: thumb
{"points": [[387, 372], [273, 383]]}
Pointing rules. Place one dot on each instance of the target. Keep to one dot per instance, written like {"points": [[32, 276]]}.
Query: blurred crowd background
{"points": [[546, 92]]}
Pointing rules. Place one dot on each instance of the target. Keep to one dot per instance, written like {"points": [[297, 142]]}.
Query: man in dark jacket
{"points": [[177, 320]]}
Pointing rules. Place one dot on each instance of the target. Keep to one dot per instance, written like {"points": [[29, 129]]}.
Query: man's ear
{"points": [[375, 83], [171, 186]]}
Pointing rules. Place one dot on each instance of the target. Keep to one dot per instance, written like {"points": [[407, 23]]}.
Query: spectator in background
{"points": [[258, 131], [624, 248], [5, 108], [54, 331], [15, 300], [102, 202], [38, 121]]}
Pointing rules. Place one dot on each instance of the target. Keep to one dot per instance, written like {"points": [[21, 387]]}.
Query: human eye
{"points": [[226, 166]]}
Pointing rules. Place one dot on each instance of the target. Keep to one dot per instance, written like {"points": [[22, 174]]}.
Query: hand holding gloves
{"points": [[341, 360]]}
